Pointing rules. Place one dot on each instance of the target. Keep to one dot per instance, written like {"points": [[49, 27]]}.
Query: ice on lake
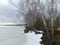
{"points": [[11, 36], [16, 36]]}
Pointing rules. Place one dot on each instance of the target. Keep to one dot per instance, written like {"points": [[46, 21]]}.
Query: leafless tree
{"points": [[21, 8]]}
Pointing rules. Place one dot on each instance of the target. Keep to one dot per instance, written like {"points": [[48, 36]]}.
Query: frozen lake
{"points": [[14, 35]]}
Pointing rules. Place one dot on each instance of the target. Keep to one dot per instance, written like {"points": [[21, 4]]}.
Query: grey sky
{"points": [[8, 12]]}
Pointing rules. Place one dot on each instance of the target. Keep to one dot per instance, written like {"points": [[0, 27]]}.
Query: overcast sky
{"points": [[9, 12]]}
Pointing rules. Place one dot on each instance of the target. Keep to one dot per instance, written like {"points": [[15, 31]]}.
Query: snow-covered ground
{"points": [[33, 39]]}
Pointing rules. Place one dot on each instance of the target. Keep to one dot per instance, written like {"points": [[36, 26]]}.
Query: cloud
{"points": [[7, 12]]}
